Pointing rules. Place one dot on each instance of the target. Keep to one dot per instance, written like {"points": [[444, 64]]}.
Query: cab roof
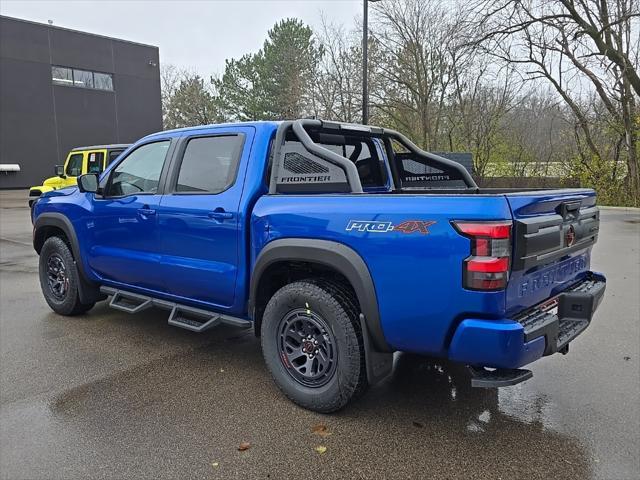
{"points": [[258, 124], [111, 146]]}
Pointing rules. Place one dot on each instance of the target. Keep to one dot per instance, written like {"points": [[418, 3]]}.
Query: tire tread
{"points": [[72, 305], [354, 380]]}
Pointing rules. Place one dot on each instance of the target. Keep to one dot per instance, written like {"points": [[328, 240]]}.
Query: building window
{"points": [[81, 78], [102, 81], [62, 75]]}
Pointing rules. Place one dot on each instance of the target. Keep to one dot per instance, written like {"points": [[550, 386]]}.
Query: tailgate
{"points": [[553, 233]]}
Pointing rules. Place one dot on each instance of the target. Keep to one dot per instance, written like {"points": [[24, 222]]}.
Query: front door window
{"points": [[74, 165]]}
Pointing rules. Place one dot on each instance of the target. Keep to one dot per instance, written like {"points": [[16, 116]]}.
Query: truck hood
{"points": [[61, 192], [53, 182]]}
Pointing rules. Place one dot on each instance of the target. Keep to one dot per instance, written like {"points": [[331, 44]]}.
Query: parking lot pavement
{"points": [[107, 395]]}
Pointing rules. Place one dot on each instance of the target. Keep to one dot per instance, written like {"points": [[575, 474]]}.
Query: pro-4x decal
{"points": [[411, 226], [408, 226]]}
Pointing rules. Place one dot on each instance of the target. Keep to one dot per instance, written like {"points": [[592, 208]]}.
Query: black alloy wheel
{"points": [[57, 277], [307, 347], [312, 344]]}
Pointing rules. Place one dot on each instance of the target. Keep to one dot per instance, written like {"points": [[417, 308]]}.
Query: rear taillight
{"points": [[488, 266]]}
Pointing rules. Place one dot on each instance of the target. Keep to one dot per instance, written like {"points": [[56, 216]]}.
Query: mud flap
{"points": [[379, 364]]}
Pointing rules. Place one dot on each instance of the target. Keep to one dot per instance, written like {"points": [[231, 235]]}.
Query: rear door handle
{"points": [[147, 212], [220, 215]]}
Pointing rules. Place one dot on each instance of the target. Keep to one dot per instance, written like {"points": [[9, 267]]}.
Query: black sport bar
{"points": [[348, 166]]}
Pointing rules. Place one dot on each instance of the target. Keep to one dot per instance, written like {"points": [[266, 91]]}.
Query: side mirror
{"points": [[60, 171], [88, 183]]}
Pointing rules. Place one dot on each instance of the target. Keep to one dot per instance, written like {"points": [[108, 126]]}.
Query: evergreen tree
{"points": [[191, 104], [276, 82], [289, 62]]}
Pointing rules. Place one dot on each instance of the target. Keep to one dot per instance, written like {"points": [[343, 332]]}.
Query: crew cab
{"points": [[339, 244], [80, 160]]}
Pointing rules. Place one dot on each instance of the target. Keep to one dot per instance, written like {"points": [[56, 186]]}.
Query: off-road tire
{"points": [[69, 303], [335, 304]]}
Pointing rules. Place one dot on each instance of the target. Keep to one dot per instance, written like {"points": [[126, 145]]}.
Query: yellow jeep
{"points": [[80, 160]]}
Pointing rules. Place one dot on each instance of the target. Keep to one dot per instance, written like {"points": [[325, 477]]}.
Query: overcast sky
{"points": [[198, 35]]}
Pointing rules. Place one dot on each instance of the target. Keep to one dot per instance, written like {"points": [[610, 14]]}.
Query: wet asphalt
{"points": [[109, 395]]}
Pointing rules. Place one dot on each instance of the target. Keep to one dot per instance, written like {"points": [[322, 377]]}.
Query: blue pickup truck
{"points": [[338, 243]]}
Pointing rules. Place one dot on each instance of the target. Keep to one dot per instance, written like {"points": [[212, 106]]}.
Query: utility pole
{"points": [[365, 63], [365, 60]]}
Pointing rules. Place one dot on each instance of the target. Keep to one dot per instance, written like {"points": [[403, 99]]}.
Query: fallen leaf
{"points": [[321, 430], [244, 446], [418, 425], [320, 449]]}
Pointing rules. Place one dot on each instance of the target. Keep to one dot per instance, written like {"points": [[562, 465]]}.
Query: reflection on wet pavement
{"points": [[184, 411], [107, 395]]}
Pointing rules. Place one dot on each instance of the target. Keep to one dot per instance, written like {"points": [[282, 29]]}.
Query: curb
{"points": [[623, 209]]}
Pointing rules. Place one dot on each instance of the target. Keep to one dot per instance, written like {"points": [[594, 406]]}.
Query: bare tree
{"points": [[416, 39], [170, 77], [192, 103], [588, 51], [338, 86]]}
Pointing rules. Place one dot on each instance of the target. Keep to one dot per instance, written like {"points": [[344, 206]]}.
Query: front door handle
{"points": [[220, 215], [146, 212]]}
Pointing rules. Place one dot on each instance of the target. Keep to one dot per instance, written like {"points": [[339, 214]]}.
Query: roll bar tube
{"points": [[276, 155], [435, 159], [348, 166]]}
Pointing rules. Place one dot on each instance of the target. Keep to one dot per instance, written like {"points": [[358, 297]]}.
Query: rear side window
{"points": [[95, 162], [113, 154], [140, 171], [209, 164], [74, 167]]}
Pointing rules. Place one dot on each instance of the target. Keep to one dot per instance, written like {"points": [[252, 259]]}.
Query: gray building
{"points": [[61, 88]]}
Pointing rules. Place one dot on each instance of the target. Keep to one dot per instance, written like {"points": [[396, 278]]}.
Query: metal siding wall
{"points": [[75, 49], [137, 83], [27, 128], [84, 116]]}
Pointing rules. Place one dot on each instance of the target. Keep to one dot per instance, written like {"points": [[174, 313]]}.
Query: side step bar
{"points": [[183, 316], [501, 377], [128, 302]]}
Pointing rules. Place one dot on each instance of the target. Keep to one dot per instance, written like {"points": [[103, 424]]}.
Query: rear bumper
{"points": [[541, 330]]}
